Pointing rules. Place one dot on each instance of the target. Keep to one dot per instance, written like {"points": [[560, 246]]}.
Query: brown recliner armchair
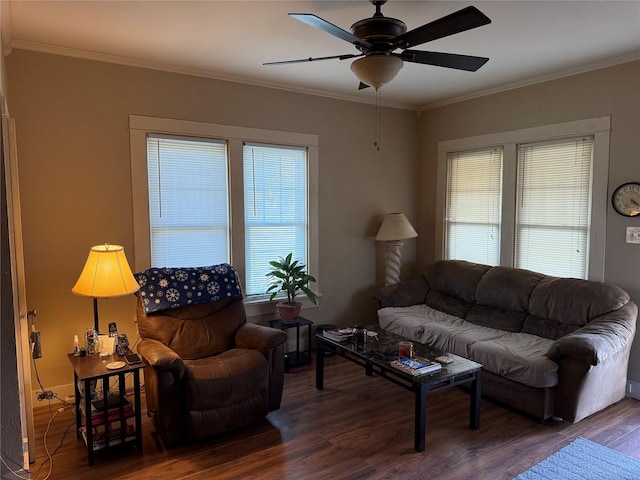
{"points": [[209, 371]]}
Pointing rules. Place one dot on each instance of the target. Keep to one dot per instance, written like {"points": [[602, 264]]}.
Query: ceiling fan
{"points": [[378, 37]]}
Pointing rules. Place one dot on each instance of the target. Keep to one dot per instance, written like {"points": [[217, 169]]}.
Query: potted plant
{"points": [[289, 276]]}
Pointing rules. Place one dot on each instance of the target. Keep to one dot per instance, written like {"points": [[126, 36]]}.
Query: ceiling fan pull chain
{"points": [[376, 142]]}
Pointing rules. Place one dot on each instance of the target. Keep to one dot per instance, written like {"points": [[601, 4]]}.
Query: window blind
{"points": [[275, 209], [553, 202], [473, 206], [188, 201]]}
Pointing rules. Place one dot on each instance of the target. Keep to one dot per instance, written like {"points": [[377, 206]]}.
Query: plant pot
{"points": [[288, 312]]}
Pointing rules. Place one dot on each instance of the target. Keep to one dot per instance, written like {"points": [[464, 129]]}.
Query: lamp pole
{"points": [[392, 267]]}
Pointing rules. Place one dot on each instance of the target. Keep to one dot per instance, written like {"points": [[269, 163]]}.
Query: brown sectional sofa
{"points": [[550, 347]]}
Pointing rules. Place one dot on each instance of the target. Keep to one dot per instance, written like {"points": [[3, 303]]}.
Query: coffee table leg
{"points": [[368, 369], [421, 392], [474, 407], [320, 366]]}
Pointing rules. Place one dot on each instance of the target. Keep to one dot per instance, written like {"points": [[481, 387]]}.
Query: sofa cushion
{"points": [[502, 298], [573, 301], [519, 357], [492, 317], [226, 379], [194, 331], [456, 278], [464, 335], [507, 288], [445, 332], [403, 294], [447, 303], [420, 323], [546, 328]]}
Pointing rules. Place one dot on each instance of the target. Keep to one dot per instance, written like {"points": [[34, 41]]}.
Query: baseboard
{"points": [[633, 390]]}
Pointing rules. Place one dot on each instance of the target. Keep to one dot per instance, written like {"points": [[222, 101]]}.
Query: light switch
{"points": [[633, 234]]}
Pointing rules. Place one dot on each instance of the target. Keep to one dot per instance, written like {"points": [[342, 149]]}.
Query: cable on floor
{"points": [[46, 447]]}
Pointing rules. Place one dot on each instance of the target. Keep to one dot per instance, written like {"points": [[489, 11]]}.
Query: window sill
{"points": [[261, 307]]}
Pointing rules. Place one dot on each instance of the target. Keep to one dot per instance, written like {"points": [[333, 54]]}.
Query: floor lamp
{"points": [[106, 274], [394, 229]]}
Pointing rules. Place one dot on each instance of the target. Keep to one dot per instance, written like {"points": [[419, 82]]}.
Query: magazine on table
{"points": [[338, 334], [415, 365]]}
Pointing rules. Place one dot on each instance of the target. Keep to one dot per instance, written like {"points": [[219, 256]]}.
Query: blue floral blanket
{"points": [[165, 288]]}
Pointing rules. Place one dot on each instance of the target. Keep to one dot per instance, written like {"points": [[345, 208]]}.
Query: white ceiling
{"points": [[527, 41]]}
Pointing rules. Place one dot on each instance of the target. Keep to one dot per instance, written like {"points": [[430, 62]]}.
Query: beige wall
{"points": [[613, 91], [73, 150]]}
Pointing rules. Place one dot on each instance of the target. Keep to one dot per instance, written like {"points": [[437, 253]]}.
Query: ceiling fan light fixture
{"points": [[377, 69]]}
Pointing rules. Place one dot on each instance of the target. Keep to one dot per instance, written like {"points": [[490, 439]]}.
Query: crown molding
{"points": [[611, 62], [152, 65]]}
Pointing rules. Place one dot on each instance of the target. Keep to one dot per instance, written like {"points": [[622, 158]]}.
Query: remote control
{"points": [[444, 360]]}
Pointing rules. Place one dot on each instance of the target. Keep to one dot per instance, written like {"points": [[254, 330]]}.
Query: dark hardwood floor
{"points": [[358, 427]]}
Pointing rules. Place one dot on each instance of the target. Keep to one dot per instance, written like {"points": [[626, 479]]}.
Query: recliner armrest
{"points": [[600, 338], [259, 337], [159, 356]]}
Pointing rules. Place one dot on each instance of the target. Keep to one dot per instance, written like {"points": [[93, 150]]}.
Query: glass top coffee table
{"points": [[380, 349]]}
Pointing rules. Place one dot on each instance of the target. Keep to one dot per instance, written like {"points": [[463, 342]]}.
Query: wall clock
{"points": [[626, 199]]}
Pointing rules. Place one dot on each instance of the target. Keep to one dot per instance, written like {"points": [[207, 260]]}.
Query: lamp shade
{"points": [[106, 274], [376, 70], [395, 226]]}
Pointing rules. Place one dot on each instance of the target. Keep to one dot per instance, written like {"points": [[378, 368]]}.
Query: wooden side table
{"points": [[297, 357], [93, 368]]}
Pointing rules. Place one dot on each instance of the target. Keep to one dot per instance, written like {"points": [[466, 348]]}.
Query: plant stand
{"points": [[296, 357]]}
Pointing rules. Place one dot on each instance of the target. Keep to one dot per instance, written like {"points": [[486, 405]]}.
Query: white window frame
{"points": [[598, 127], [141, 126]]}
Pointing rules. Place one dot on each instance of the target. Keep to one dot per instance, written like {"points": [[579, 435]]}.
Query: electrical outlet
{"points": [[629, 387], [633, 234]]}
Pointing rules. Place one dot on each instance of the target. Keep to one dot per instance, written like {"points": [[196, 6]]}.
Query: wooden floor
{"points": [[358, 427]]}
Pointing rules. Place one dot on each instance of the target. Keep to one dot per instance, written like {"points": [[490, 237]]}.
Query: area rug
{"points": [[584, 460]]}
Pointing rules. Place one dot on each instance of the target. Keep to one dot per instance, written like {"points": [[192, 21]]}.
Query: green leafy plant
{"points": [[290, 276]]}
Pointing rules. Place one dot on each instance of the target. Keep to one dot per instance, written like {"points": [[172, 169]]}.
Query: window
{"points": [[533, 198], [553, 205], [473, 206], [275, 209], [188, 201], [207, 193]]}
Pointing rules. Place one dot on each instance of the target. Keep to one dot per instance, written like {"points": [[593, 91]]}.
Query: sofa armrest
{"points": [[259, 337], [405, 294], [600, 339], [160, 357]]}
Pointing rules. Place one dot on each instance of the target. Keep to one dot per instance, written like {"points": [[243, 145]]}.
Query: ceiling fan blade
{"points": [[449, 60], [330, 28], [362, 86], [460, 21], [311, 59]]}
